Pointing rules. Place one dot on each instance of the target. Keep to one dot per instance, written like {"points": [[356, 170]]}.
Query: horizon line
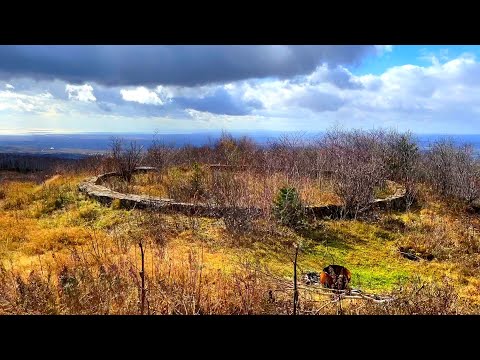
{"points": [[153, 133]]}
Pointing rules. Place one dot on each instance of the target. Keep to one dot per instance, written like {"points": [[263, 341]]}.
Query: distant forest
{"points": [[33, 162]]}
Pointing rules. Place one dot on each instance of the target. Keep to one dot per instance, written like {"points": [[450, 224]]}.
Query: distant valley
{"points": [[78, 145]]}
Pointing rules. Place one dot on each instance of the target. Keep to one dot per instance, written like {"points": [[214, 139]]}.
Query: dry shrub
{"points": [[356, 159], [453, 170], [160, 155], [402, 159], [18, 195], [149, 183], [155, 228], [418, 298], [239, 221], [230, 151], [431, 240], [7, 292], [468, 265], [183, 285], [83, 290], [118, 184], [186, 184], [89, 213], [393, 224], [52, 198], [125, 158], [228, 191], [190, 289], [101, 281], [35, 295], [444, 240], [177, 185], [468, 238]]}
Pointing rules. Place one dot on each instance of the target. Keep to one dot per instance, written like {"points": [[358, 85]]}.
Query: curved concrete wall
{"points": [[93, 187]]}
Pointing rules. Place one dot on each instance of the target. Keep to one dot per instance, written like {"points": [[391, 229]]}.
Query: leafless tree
{"points": [[356, 161], [229, 190], [402, 159], [292, 154], [126, 157], [453, 171], [160, 154], [236, 152]]}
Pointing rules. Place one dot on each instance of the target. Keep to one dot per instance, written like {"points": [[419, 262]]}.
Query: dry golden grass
{"points": [[258, 189], [85, 257]]}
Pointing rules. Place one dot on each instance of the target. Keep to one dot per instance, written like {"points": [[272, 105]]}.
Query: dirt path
{"points": [[52, 179]]}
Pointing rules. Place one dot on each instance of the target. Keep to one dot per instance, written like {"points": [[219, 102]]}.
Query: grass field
{"points": [[49, 225]]}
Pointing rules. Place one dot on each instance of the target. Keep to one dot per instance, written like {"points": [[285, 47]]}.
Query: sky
{"points": [[183, 89]]}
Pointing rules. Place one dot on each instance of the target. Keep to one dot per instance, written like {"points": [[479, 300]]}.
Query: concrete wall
{"points": [[93, 187]]}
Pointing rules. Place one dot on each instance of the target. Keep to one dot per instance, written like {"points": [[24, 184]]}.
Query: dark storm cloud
{"points": [[220, 102], [170, 65], [108, 95], [342, 79]]}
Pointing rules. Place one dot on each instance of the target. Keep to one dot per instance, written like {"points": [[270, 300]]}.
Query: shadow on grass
{"points": [[327, 237]]}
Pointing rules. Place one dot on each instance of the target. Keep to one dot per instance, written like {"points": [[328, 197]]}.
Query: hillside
{"points": [[52, 233], [64, 252]]}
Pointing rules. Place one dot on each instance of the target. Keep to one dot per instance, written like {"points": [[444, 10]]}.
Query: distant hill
{"points": [[76, 145], [99, 142]]}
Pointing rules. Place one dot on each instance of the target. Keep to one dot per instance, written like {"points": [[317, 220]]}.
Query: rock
{"points": [[411, 254], [311, 278]]}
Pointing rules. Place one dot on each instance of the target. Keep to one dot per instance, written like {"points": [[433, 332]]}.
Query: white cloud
{"points": [[400, 88], [168, 92], [80, 92], [207, 120], [9, 86], [12, 101], [142, 95], [422, 98], [340, 76], [382, 49], [441, 96]]}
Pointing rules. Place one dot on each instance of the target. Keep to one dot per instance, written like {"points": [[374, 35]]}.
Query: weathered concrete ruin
{"points": [[93, 187]]}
